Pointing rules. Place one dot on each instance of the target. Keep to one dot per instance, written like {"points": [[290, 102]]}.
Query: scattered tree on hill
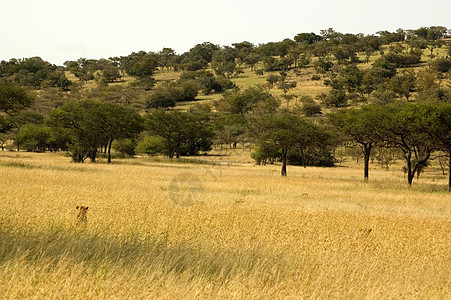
{"points": [[442, 64], [13, 98], [309, 106], [428, 38], [252, 99], [403, 84], [141, 65], [166, 95], [34, 72]]}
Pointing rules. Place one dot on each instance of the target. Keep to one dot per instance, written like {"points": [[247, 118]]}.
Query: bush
{"points": [[168, 94], [33, 137], [151, 145], [125, 146], [335, 98], [207, 81], [401, 60], [316, 77], [310, 109], [442, 65], [321, 157]]}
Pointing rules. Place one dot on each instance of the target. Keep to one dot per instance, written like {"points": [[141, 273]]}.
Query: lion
{"points": [[82, 215]]}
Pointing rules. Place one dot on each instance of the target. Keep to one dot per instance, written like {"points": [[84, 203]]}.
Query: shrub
{"points": [[125, 146], [442, 65], [151, 145]]}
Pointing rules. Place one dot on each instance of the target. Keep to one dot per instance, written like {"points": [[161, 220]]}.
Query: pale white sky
{"points": [[60, 30]]}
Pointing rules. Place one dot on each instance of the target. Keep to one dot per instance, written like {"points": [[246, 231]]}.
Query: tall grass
{"points": [[319, 233]]}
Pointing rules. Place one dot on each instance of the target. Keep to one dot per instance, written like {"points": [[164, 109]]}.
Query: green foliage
{"points": [[184, 133], [34, 72], [13, 98], [380, 72], [167, 58], [230, 128], [335, 98], [208, 82], [125, 146], [251, 99], [309, 106], [286, 132], [163, 96], [387, 37], [93, 124], [403, 84], [198, 57], [311, 156], [406, 127], [322, 66], [111, 74], [383, 96], [272, 64], [265, 153], [141, 65], [308, 38], [442, 64], [402, 60], [273, 79], [152, 145], [82, 68], [33, 137], [167, 94], [21, 118]]}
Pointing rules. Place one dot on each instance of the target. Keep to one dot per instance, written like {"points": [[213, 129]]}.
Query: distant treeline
{"points": [[390, 109]]}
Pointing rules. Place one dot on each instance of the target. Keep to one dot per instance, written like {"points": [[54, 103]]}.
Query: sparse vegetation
{"points": [[227, 225]]}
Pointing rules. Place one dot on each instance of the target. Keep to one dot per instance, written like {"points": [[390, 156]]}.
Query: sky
{"points": [[61, 30]]}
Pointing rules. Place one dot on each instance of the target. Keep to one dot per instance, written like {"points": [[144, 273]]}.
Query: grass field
{"points": [[220, 227]]}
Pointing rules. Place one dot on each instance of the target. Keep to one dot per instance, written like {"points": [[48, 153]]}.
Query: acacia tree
{"points": [[250, 100], [184, 133], [116, 122], [13, 98], [284, 132], [141, 65], [439, 129], [403, 128], [428, 38], [361, 126], [94, 124], [85, 132]]}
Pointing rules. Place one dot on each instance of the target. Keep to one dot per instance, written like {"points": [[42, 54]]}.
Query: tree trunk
{"points": [[410, 177], [449, 173], [92, 155], [366, 158], [109, 150], [410, 174], [284, 161], [303, 157]]}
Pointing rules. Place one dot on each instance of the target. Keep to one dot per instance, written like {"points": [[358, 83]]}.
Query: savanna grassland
{"points": [[220, 227]]}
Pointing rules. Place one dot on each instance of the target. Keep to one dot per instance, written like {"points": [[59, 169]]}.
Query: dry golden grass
{"points": [[247, 233]]}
